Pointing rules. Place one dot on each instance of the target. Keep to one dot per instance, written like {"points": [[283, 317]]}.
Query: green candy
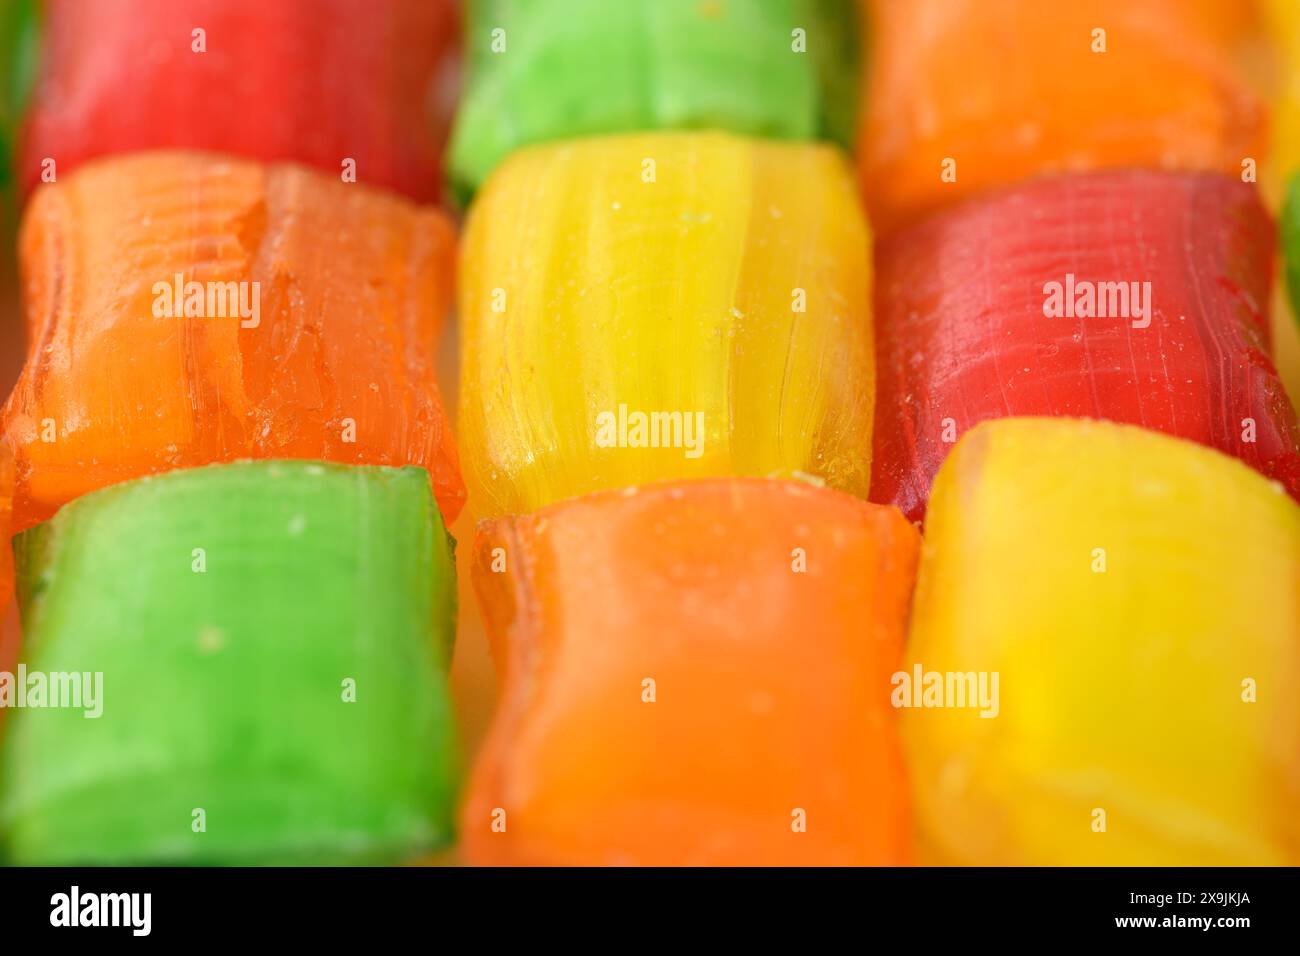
{"points": [[543, 70], [18, 28], [1289, 232], [230, 609]]}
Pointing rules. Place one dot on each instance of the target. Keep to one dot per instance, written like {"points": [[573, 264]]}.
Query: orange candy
{"points": [[968, 94], [694, 673], [313, 333]]}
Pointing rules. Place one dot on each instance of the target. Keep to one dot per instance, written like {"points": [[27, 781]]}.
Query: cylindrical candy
{"points": [[1283, 167], [1283, 21], [259, 651], [184, 308], [349, 86], [8, 612], [1134, 296], [1289, 228], [664, 306], [543, 70], [1137, 598], [17, 52], [969, 94], [694, 673]]}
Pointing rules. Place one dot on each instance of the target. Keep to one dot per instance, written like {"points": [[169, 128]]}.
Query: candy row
{"points": [[696, 672], [629, 364]]}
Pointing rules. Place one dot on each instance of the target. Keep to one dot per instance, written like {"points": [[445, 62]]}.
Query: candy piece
{"points": [[664, 306], [1138, 598], [273, 640], [695, 673], [1290, 234], [17, 47], [969, 94], [1283, 21], [554, 69], [1278, 168], [17, 53], [1134, 296], [323, 82], [331, 296]]}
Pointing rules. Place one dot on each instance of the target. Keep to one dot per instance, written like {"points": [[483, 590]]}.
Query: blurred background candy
{"points": [[273, 640], [970, 94], [540, 70], [1289, 228], [18, 34], [322, 82], [1283, 20]]}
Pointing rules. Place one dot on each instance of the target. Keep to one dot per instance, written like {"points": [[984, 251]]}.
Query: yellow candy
{"points": [[1138, 598], [1283, 19], [664, 306]]}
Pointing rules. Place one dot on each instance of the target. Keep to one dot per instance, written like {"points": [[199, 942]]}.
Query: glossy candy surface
{"points": [[721, 281], [964, 333], [695, 673], [1138, 597], [542, 70], [314, 81], [126, 378], [232, 611]]}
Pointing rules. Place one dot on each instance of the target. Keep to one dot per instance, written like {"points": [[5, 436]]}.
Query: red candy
{"points": [[316, 81], [1012, 305]]}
